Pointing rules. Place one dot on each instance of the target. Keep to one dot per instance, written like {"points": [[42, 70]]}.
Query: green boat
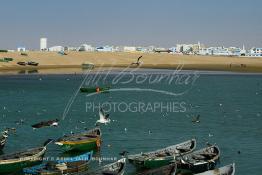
{"points": [[90, 140], [17, 161], [95, 89], [162, 157]]}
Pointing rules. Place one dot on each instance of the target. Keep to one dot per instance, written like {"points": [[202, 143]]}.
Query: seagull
{"points": [[138, 62], [104, 118]]}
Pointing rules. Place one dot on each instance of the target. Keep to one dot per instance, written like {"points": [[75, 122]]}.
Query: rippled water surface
{"points": [[229, 105]]}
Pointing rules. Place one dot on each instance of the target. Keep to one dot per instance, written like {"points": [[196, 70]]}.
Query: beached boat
{"points": [[21, 63], [32, 63], [163, 156], [226, 170], [94, 89], [69, 166], [3, 139], [116, 168], [199, 161], [164, 170], [19, 160], [86, 141], [87, 65]]}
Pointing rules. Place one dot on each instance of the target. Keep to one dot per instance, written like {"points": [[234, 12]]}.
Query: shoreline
{"points": [[54, 63]]}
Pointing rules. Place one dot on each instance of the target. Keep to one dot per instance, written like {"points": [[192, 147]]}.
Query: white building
{"points": [[105, 49], [21, 49], [129, 49], [256, 52], [43, 44], [56, 49], [87, 48]]}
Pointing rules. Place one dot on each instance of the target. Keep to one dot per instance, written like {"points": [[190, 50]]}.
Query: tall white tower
{"points": [[43, 44]]}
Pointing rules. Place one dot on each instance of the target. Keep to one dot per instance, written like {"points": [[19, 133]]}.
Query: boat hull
{"points": [[17, 166], [94, 90], [164, 170], [73, 165], [152, 163], [226, 170], [80, 147], [159, 158]]}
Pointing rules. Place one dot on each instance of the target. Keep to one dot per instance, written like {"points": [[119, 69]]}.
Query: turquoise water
{"points": [[229, 106]]}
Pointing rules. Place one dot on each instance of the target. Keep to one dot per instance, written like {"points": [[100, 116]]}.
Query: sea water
{"points": [[145, 115]]}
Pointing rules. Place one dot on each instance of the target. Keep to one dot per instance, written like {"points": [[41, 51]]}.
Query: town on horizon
{"points": [[187, 49]]}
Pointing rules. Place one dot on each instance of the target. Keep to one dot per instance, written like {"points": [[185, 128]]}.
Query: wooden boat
{"points": [[87, 65], [24, 54], [199, 161], [21, 63], [116, 168], [86, 141], [32, 63], [69, 166], [46, 124], [94, 89], [226, 170], [3, 139], [163, 156], [164, 170], [19, 160]]}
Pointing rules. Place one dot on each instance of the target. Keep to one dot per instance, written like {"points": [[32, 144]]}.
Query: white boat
{"points": [[226, 170]]}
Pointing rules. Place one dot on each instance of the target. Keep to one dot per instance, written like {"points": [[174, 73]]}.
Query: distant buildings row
{"points": [[187, 49]]}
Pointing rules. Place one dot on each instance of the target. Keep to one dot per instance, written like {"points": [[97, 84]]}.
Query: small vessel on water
{"points": [[17, 161], [3, 139], [46, 124], [116, 168], [226, 170], [164, 170], [69, 166], [86, 141], [163, 156], [199, 161], [95, 89]]}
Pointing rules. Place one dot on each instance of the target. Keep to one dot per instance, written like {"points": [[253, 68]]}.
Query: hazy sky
{"points": [[130, 22]]}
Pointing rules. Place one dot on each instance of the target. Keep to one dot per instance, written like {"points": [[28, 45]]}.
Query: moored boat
{"points": [[19, 160], [199, 161], [226, 170], [3, 139], [164, 170], [116, 168], [45, 124], [86, 141], [69, 166], [94, 89], [163, 156]]}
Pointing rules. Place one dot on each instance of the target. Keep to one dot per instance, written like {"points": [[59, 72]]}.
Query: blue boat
{"points": [[69, 166]]}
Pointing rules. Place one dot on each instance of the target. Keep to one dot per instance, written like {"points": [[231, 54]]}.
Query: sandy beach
{"points": [[52, 62]]}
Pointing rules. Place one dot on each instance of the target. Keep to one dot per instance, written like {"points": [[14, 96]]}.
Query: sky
{"points": [[130, 22]]}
